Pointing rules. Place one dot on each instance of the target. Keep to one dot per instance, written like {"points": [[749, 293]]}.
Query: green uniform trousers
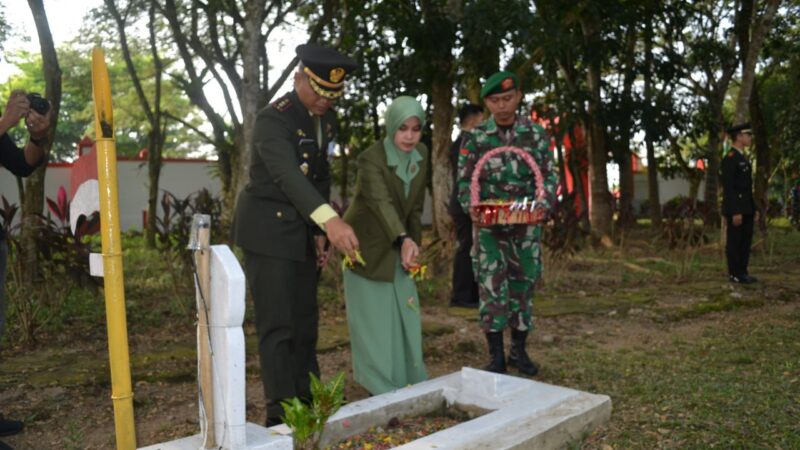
{"points": [[287, 317], [507, 262]]}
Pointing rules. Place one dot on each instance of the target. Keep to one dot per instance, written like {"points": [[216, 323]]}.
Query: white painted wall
{"points": [[667, 188], [181, 178]]}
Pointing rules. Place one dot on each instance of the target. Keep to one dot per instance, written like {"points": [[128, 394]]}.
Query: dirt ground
{"points": [[78, 414], [605, 303]]}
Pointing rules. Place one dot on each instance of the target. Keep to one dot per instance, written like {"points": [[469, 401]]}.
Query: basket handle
{"points": [[474, 187]]}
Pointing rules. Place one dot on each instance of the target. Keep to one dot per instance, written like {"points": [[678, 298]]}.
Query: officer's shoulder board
{"points": [[282, 104]]}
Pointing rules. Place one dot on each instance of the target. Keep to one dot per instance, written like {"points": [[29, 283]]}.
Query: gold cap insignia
{"points": [[336, 74]]}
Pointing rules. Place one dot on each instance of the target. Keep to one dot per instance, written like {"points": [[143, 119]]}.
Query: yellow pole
{"points": [[121, 392]]}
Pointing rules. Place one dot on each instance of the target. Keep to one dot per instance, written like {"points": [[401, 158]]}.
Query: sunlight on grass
{"points": [[737, 386]]}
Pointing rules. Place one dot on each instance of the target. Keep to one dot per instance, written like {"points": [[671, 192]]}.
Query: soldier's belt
{"points": [[506, 212]]}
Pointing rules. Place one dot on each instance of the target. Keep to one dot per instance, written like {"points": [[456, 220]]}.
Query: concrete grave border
{"points": [[521, 413]]}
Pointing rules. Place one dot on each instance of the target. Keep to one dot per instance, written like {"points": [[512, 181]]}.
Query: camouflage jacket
{"points": [[506, 176]]}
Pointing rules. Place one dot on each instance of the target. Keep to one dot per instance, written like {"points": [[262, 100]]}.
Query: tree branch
{"points": [[188, 125]]}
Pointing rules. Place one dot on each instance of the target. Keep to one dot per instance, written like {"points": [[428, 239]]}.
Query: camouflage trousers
{"points": [[507, 262]]}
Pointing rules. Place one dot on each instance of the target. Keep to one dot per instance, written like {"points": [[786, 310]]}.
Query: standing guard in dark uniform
{"points": [[284, 223], [738, 205], [465, 288]]}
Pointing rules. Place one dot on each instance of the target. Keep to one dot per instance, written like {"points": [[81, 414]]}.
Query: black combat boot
{"points": [[497, 363], [518, 357]]}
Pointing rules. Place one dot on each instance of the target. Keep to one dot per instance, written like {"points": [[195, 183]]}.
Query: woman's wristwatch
{"points": [[399, 241]]}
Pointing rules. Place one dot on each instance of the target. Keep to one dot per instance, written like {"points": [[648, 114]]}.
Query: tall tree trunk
{"points": [[711, 194], [441, 96], [626, 191], [151, 111], [33, 202], [156, 137], [600, 211], [751, 38], [653, 196], [763, 158], [624, 154], [574, 163], [439, 28], [249, 97], [754, 37]]}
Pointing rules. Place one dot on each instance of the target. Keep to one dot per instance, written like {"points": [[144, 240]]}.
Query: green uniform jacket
{"points": [[289, 179], [380, 211]]}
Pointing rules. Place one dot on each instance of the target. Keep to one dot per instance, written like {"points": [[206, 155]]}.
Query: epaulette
{"points": [[282, 104]]}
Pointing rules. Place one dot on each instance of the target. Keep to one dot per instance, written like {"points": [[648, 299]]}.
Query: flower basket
{"points": [[508, 212]]}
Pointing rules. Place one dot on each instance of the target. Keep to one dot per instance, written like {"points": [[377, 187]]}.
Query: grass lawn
{"points": [[689, 360]]}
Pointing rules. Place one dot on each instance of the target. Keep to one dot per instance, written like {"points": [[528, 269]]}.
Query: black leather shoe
{"points": [[741, 279], [4, 446], [10, 427], [751, 279]]}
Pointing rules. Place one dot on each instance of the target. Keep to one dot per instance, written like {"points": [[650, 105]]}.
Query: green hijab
{"points": [[406, 164]]}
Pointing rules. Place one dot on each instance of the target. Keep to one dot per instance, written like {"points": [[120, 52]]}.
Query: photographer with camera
{"points": [[20, 162]]}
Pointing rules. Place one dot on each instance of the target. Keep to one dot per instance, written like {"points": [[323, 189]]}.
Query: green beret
{"points": [[500, 82]]}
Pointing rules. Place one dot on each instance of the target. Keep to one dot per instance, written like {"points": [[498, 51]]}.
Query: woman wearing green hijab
{"points": [[383, 311]]}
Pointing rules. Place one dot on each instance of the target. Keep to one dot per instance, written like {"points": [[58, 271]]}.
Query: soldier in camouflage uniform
{"points": [[506, 258]]}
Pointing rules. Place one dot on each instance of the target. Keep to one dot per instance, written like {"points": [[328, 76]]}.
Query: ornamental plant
{"points": [[307, 422]]}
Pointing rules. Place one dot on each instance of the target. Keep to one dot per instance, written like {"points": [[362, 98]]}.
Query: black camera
{"points": [[39, 103]]}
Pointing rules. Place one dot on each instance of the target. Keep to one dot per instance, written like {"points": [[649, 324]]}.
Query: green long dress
{"points": [[385, 331], [383, 312]]}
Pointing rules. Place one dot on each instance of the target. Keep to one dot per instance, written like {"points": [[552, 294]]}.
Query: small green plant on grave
{"points": [[308, 421]]}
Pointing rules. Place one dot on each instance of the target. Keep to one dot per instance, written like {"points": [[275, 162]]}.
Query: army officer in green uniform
{"points": [[284, 223]]}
